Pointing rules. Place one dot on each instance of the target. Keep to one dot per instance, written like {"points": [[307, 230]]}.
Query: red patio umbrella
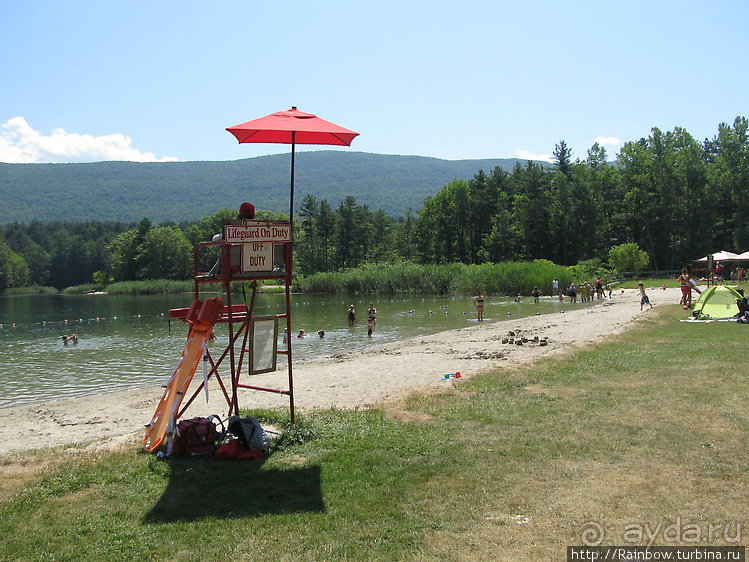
{"points": [[292, 127]]}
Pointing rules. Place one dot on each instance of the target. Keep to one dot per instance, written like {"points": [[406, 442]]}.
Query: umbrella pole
{"points": [[291, 197]]}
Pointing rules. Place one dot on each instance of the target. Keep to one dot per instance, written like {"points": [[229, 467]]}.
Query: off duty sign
{"points": [[257, 239]]}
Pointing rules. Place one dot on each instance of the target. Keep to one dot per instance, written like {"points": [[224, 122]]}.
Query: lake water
{"points": [[127, 342]]}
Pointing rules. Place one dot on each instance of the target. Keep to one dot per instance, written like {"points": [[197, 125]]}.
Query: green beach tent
{"points": [[717, 301]]}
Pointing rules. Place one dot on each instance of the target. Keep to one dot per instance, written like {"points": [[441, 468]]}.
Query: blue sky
{"points": [[88, 81]]}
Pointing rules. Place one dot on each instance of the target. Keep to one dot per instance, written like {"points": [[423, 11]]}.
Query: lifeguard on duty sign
{"points": [[257, 239]]}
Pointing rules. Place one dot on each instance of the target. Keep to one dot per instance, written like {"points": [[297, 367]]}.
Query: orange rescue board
{"points": [[203, 317]]}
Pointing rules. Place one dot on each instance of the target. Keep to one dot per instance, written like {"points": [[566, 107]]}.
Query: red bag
{"points": [[235, 450], [195, 437]]}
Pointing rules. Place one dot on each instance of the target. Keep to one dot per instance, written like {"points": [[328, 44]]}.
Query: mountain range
{"points": [[186, 191]]}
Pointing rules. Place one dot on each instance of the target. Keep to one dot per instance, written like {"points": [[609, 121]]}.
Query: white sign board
{"points": [[257, 239], [257, 231], [257, 256], [263, 344]]}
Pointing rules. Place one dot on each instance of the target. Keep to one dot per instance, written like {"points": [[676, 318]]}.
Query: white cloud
{"points": [[535, 157], [20, 144], [613, 141]]}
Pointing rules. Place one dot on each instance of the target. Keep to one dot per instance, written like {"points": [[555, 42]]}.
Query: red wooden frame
{"points": [[237, 317]]}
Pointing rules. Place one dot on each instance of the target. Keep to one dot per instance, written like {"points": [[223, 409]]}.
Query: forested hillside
{"points": [[672, 196], [175, 191]]}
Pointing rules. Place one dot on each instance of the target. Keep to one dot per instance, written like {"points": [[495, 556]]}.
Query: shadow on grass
{"points": [[207, 488]]}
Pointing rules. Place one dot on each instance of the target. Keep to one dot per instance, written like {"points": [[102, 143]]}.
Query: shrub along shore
{"points": [[497, 279], [494, 279]]}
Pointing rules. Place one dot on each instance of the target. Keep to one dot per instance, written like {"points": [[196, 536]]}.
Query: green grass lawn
{"points": [[639, 440]]}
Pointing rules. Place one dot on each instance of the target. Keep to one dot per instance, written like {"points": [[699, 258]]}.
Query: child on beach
{"points": [[643, 297], [369, 328]]}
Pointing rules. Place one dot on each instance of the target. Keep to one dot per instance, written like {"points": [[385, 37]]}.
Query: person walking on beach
{"points": [[351, 316], [479, 302], [555, 287], [686, 289], [599, 288], [643, 297]]}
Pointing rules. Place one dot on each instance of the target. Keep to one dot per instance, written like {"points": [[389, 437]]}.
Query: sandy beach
{"points": [[358, 379]]}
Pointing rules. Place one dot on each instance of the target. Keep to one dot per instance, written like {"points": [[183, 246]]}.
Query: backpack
{"points": [[196, 437], [250, 433], [234, 450]]}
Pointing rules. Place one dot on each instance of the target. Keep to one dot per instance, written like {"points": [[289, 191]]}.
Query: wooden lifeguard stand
{"points": [[250, 250]]}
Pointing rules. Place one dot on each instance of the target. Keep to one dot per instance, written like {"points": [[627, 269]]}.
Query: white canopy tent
{"points": [[723, 255]]}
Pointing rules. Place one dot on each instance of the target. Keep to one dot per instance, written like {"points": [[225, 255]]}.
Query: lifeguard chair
{"points": [[250, 250]]}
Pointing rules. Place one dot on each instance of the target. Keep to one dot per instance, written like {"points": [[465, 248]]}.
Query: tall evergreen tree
{"points": [[563, 158], [325, 230], [307, 242], [532, 211], [345, 232], [729, 182]]}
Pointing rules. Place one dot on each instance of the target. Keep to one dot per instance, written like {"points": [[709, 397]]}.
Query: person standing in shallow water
{"points": [[572, 293], [351, 316], [479, 302], [372, 314]]}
